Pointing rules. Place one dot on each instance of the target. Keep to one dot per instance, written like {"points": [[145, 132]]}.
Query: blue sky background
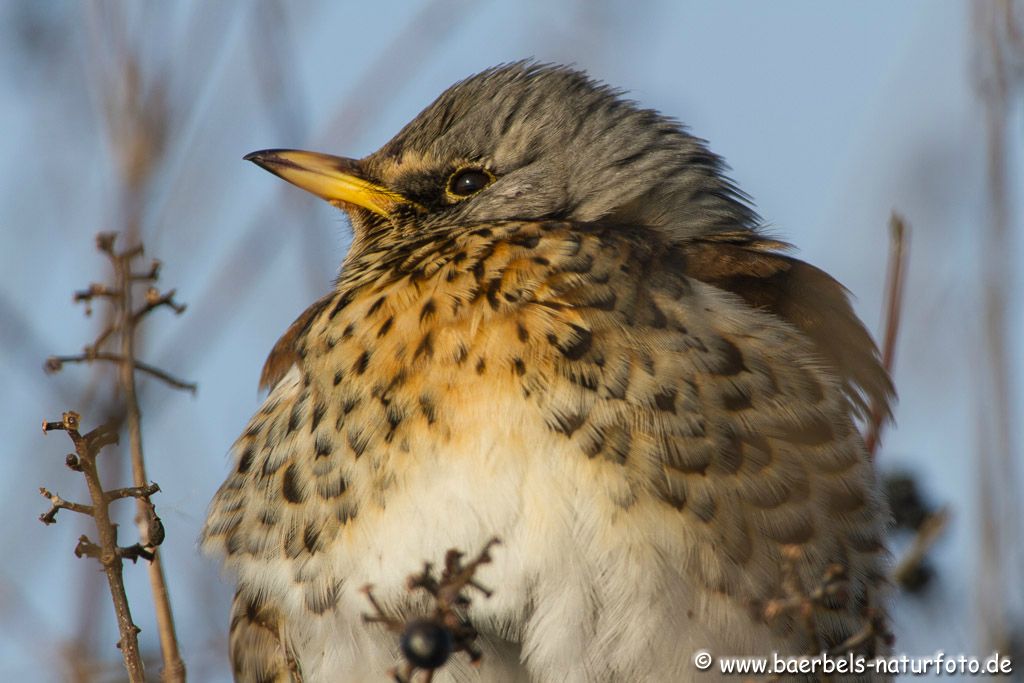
{"points": [[831, 115]]}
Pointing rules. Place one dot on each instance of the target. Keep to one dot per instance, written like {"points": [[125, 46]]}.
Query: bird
{"points": [[560, 324]]}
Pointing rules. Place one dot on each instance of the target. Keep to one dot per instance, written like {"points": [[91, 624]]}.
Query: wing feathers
{"points": [[805, 297]]}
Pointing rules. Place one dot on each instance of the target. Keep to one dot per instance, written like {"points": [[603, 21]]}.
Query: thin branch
{"points": [[154, 300], [95, 291], [427, 642], [894, 307], [174, 666], [54, 363], [137, 551], [127, 318], [999, 79], [58, 503], [874, 627], [94, 348], [152, 275], [929, 531], [106, 551], [798, 602], [133, 492], [831, 590]]}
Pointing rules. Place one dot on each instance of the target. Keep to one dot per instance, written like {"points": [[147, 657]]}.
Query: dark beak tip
{"points": [[263, 157]]}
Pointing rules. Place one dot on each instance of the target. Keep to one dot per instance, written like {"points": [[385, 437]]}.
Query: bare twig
{"points": [[831, 590], [106, 551], [56, 363], [801, 603], [999, 79], [125, 324], [58, 503], [174, 666], [929, 531], [95, 291], [138, 117], [146, 98], [428, 642], [133, 492], [156, 299], [797, 601], [894, 306], [875, 626], [152, 275]]}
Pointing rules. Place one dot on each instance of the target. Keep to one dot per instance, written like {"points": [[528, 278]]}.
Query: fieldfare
{"points": [[561, 325]]}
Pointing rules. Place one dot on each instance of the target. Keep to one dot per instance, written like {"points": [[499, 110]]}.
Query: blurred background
{"points": [[134, 117]]}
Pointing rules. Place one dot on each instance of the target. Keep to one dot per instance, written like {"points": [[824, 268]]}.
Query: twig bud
{"points": [[105, 241]]}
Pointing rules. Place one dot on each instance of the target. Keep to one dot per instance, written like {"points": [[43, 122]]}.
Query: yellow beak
{"points": [[335, 179]]}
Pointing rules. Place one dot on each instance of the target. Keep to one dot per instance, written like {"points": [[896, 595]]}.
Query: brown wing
{"points": [[285, 354], [804, 296], [258, 654]]}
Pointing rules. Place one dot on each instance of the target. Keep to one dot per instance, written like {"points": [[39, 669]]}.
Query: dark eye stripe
{"points": [[468, 181]]}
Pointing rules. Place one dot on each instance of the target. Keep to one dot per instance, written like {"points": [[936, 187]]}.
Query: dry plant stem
{"points": [[874, 627], [800, 603], [57, 503], [125, 322], [134, 100], [999, 78], [894, 306], [87, 447], [54, 362], [174, 666], [87, 648], [927, 534]]}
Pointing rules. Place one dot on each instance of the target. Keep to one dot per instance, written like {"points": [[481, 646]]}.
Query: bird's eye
{"points": [[468, 181]]}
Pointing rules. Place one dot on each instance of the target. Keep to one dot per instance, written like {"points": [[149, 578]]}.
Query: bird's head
{"points": [[527, 142]]}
